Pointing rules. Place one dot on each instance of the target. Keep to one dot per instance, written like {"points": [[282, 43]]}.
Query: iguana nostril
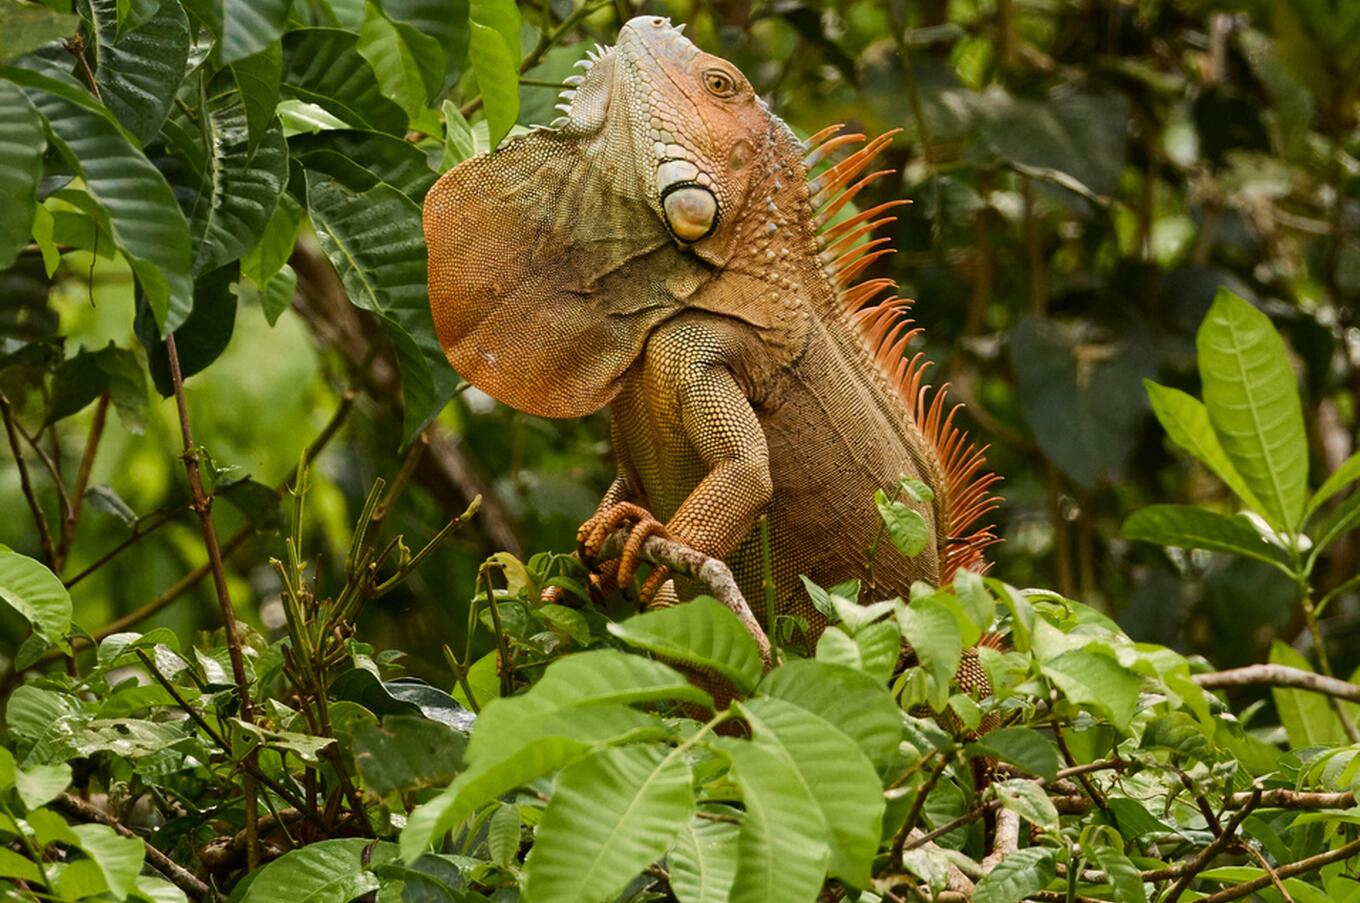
{"points": [[691, 212]]}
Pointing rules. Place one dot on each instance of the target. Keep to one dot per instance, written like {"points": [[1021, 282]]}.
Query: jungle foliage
{"points": [[248, 652]]}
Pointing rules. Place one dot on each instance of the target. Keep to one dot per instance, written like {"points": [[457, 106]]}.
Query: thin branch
{"points": [[50, 465], [1220, 843], [185, 880], [713, 573], [1285, 871], [77, 498], [39, 519], [917, 806], [1280, 676], [156, 520], [1269, 870]]}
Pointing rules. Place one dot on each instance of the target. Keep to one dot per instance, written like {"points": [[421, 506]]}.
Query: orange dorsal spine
{"points": [[848, 249]]}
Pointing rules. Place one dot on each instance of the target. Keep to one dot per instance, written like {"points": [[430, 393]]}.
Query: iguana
{"points": [[664, 249]]}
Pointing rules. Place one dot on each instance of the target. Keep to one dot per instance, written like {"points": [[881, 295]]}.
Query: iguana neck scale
{"points": [[663, 249]]}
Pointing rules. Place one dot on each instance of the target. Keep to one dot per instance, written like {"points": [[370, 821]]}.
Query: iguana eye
{"points": [[719, 83]]}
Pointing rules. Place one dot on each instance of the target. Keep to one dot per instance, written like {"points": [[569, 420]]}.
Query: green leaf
{"points": [[249, 26], [521, 741], [503, 835], [1022, 747], [21, 153], [493, 51], [1028, 800], [409, 65], [457, 136], [263, 262], [239, 189], [12, 865], [782, 847], [138, 70], [978, 604], [37, 595], [1123, 876], [906, 527], [1342, 520], [1091, 678], [703, 862], [374, 240], [933, 632], [200, 339], [1253, 403], [258, 78], [874, 650], [834, 773], [118, 859], [1308, 718], [83, 378], [323, 66], [145, 219], [278, 293], [1345, 475], [853, 702], [611, 815], [27, 26], [700, 633], [1197, 528], [40, 784], [361, 159], [1021, 873], [329, 871], [407, 753], [1186, 421]]}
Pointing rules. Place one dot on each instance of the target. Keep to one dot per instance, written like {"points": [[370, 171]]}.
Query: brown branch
{"points": [[156, 520], [1284, 871], [77, 498], [1280, 676], [713, 573], [1006, 839], [39, 519], [1269, 870], [77, 808], [50, 464], [917, 806], [1219, 844]]}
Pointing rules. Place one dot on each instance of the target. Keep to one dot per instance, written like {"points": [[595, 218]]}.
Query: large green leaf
{"points": [[1308, 718], [238, 190], [703, 862], [1022, 747], [329, 871], [444, 20], [1197, 528], [374, 240], [249, 26], [933, 632], [21, 150], [493, 50], [200, 339], [139, 70], [146, 222], [850, 700], [701, 633], [611, 815], [361, 159], [324, 66], [408, 64], [37, 594], [530, 744], [1126, 883], [1186, 421], [602, 676], [1090, 677], [407, 753], [782, 846], [835, 774], [1028, 800], [1254, 406], [115, 859], [258, 78], [875, 649], [1021, 873]]}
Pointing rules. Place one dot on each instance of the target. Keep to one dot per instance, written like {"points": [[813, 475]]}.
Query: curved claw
{"points": [[595, 531]]}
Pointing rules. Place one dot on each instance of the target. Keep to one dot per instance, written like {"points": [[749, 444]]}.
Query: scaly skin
{"points": [[658, 251]]}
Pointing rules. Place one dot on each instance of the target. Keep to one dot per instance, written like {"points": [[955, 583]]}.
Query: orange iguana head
{"points": [[553, 259]]}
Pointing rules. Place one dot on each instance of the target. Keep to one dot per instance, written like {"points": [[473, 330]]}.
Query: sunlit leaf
{"points": [[701, 633], [1019, 874], [703, 862], [328, 871], [33, 591]]}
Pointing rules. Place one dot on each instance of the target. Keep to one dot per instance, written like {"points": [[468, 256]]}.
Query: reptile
{"points": [[670, 249]]}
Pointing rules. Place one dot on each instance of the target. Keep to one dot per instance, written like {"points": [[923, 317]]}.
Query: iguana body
{"points": [[661, 250]]}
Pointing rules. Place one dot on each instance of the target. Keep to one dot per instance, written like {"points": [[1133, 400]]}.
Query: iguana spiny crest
{"points": [[662, 249]]}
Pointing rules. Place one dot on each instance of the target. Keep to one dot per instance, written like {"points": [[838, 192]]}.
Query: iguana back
{"points": [[662, 249]]}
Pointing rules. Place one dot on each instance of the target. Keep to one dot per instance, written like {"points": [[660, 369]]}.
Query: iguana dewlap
{"points": [[663, 250]]}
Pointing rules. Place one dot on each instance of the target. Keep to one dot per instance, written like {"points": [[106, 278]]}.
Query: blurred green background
{"points": [[1084, 175]]}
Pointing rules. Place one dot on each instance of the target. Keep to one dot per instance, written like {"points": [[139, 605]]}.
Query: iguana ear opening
{"points": [[545, 281]]}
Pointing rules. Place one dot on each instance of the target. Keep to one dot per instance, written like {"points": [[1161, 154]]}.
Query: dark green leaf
{"points": [[359, 160], [138, 70], [201, 338], [258, 78], [278, 294], [146, 222], [249, 26], [21, 152], [400, 696], [104, 498], [269, 255], [407, 753], [1197, 528], [906, 527], [329, 871], [1022, 747], [324, 66]]}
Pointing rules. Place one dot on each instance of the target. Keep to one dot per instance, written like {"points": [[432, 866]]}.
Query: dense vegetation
{"points": [[264, 557]]}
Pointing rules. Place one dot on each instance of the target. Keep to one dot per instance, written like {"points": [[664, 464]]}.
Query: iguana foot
{"points": [[594, 532]]}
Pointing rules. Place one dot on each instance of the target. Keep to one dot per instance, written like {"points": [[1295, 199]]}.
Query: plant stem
{"points": [[917, 805], [185, 880], [33, 852], [39, 519], [156, 520], [502, 647], [77, 497]]}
